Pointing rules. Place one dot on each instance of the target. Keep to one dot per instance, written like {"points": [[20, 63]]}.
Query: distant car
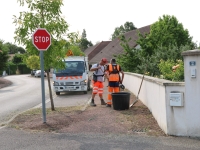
{"points": [[38, 73], [33, 72]]}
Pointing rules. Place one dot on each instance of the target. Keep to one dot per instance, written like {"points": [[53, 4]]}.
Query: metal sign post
{"points": [[43, 87], [41, 39]]}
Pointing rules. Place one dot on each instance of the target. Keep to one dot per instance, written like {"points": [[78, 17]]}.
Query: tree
{"points": [[167, 71], [167, 31], [3, 55], [13, 49], [84, 35], [20, 50], [167, 40], [74, 44], [17, 59], [128, 26], [74, 39], [151, 62], [129, 55], [76, 50], [84, 43], [159, 44], [33, 62], [44, 14]]}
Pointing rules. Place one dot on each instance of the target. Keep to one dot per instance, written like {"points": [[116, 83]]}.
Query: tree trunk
{"points": [[50, 92]]}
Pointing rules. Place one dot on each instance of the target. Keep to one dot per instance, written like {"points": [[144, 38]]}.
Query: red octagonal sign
{"points": [[41, 39]]}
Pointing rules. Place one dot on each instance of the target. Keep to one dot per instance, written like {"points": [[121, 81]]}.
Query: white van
{"points": [[74, 77]]}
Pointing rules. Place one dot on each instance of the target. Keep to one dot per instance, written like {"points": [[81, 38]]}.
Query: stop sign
{"points": [[41, 39]]}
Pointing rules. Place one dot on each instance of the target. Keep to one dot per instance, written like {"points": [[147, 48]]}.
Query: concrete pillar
{"points": [[192, 91]]}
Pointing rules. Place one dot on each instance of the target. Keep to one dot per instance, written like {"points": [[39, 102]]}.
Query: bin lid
{"points": [[121, 93]]}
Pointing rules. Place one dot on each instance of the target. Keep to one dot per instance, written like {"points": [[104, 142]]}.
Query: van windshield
{"points": [[72, 68]]}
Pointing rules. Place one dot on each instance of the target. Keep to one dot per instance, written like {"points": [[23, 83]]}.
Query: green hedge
{"points": [[11, 70]]}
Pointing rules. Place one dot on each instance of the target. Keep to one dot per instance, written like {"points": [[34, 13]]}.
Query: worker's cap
{"points": [[104, 60]]}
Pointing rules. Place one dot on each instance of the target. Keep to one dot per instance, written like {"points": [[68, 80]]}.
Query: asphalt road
{"points": [[25, 93], [12, 139]]}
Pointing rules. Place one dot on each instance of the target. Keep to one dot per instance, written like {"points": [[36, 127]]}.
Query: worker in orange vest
{"points": [[113, 71]]}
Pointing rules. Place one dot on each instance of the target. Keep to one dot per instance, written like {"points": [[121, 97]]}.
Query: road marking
{"points": [[87, 103]]}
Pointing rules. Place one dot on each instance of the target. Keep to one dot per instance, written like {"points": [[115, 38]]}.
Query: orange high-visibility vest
{"points": [[114, 72]]}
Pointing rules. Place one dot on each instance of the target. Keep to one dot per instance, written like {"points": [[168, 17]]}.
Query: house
{"points": [[114, 46], [93, 50]]}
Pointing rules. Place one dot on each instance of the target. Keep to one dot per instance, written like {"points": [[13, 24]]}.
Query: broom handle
{"points": [[140, 85]]}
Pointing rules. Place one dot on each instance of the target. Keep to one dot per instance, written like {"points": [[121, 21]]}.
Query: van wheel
{"points": [[85, 92], [57, 93]]}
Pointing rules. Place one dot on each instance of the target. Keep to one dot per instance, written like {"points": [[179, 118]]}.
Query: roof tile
{"points": [[114, 46]]}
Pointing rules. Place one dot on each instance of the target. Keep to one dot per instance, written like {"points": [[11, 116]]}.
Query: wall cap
{"points": [[157, 80], [191, 52]]}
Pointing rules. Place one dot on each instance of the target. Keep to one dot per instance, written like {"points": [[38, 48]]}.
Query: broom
{"points": [[136, 100]]}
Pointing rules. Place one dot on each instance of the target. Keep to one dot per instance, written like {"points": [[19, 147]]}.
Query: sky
{"points": [[100, 17]]}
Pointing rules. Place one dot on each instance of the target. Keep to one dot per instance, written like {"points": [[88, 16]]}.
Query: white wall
{"points": [[155, 94], [176, 120]]}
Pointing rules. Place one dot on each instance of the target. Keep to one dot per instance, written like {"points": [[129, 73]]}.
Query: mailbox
{"points": [[176, 99]]}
